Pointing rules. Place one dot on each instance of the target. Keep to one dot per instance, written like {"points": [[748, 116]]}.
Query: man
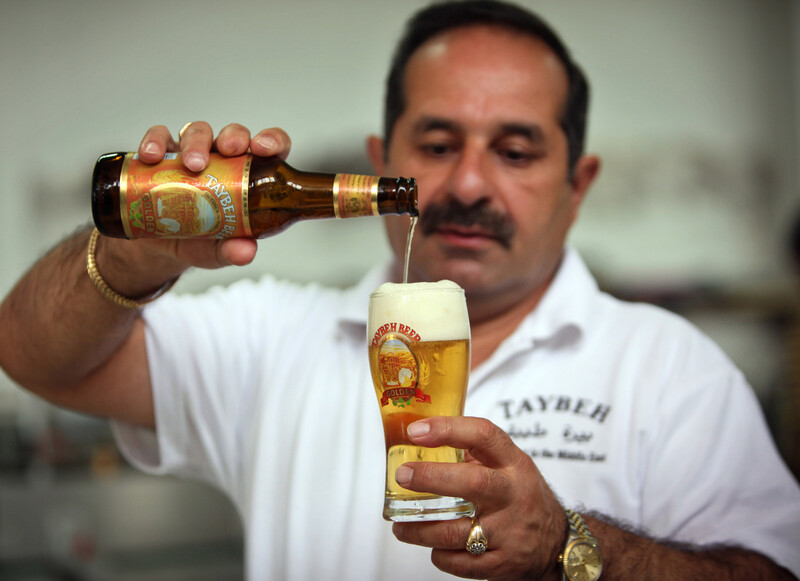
{"points": [[578, 400]]}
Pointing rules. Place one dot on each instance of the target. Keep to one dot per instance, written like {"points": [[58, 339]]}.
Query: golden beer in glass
{"points": [[418, 339]]}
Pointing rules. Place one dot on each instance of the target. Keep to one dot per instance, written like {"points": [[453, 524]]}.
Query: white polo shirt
{"points": [[264, 391]]}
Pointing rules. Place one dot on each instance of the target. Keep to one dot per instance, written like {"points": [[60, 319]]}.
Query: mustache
{"points": [[454, 213]]}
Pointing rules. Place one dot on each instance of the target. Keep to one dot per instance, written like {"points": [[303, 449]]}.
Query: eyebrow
{"points": [[427, 123], [529, 131]]}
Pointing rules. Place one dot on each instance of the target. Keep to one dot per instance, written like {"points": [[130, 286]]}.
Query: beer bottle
{"points": [[244, 197]]}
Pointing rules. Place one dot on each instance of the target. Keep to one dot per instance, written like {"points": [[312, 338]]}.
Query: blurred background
{"points": [[696, 113]]}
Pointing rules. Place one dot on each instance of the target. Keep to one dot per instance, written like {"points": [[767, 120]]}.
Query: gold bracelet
{"points": [[107, 291]]}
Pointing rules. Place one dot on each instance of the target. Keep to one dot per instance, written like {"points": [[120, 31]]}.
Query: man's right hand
{"points": [[69, 344], [137, 268]]}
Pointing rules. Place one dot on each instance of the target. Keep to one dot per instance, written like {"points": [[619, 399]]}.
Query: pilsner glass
{"points": [[419, 353]]}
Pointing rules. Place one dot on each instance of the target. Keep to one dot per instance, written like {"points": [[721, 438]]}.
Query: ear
{"points": [[375, 153], [586, 170]]}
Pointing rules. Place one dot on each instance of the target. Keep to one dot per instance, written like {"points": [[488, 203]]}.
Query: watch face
{"points": [[583, 561]]}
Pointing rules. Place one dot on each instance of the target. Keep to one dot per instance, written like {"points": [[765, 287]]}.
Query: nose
{"points": [[468, 180]]}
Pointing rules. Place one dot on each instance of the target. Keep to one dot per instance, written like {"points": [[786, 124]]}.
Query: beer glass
{"points": [[418, 339]]}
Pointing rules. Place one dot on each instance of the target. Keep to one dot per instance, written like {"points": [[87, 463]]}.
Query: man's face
{"points": [[481, 135]]}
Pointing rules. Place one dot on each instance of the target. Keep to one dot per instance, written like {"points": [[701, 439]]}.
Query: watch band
{"points": [[577, 523], [579, 536]]}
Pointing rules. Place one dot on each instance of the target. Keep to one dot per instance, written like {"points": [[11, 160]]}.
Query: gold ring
{"points": [[477, 542], [183, 130]]}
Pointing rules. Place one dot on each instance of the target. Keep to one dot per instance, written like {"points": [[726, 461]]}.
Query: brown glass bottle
{"points": [[248, 196]]}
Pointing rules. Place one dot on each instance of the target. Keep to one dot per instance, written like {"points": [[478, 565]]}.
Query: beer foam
{"points": [[437, 311]]}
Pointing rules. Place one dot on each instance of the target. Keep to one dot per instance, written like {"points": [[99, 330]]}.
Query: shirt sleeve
{"points": [[200, 351], [714, 475]]}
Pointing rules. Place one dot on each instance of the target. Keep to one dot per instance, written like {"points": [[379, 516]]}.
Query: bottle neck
{"points": [[353, 194], [397, 196]]}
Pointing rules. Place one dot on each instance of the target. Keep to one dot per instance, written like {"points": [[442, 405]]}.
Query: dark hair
{"points": [[441, 17]]}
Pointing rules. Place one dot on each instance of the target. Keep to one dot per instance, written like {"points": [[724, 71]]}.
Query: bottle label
{"points": [[168, 200], [355, 195]]}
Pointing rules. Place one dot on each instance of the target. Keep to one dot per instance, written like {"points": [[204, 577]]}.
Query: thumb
{"points": [[236, 251]]}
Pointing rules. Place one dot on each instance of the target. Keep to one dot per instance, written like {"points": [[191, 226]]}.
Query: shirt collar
{"points": [[567, 303]]}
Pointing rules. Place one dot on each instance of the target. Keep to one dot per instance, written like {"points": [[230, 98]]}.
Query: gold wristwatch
{"points": [[581, 557]]}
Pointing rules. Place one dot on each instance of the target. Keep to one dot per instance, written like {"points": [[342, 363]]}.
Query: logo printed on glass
{"points": [[402, 374]]}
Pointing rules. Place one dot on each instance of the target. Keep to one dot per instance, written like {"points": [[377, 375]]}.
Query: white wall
{"points": [[695, 108], [695, 116]]}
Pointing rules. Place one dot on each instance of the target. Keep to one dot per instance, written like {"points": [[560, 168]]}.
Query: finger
{"points": [[448, 539], [271, 142], [491, 564], [483, 440], [510, 554], [238, 251], [487, 487], [212, 254], [195, 145], [156, 142], [234, 139], [448, 534]]}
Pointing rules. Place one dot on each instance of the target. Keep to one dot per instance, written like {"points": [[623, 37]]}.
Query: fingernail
{"points": [[150, 147], [403, 475], [418, 429], [267, 142], [195, 161]]}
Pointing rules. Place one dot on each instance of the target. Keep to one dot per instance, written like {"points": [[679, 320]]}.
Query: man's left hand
{"points": [[523, 521]]}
